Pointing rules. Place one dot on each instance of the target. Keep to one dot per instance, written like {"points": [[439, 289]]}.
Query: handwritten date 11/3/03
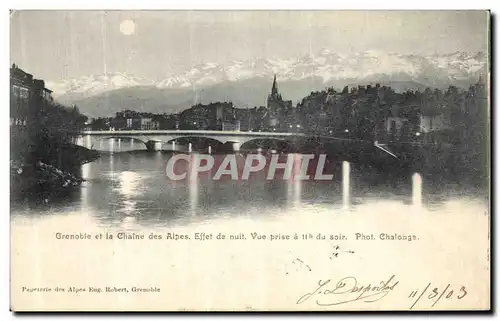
{"points": [[435, 294]]}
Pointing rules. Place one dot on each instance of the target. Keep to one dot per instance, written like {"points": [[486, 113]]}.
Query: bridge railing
{"points": [[182, 132]]}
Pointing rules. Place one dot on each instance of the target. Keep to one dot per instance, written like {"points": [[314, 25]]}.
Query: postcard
{"points": [[250, 160]]}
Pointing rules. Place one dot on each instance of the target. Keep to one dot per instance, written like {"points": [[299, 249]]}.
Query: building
{"points": [[135, 123], [231, 126], [118, 123], [219, 115], [25, 93], [394, 123], [149, 124], [39, 90], [401, 122], [410, 121], [434, 122]]}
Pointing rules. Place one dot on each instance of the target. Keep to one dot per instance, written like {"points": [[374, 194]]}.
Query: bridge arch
{"points": [[269, 143], [198, 138], [94, 141], [208, 143], [122, 137]]}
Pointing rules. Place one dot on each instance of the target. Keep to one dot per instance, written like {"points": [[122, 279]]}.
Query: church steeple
{"points": [[274, 99], [274, 90]]}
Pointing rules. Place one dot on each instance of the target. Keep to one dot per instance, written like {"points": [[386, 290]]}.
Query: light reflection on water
{"points": [[129, 189]]}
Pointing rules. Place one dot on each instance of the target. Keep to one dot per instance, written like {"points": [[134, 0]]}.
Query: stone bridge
{"points": [[154, 139]]}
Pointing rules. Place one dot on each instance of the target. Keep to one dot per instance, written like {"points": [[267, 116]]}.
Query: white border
{"points": [[185, 4], [255, 4]]}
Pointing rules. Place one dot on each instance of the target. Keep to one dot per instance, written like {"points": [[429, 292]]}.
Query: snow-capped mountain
{"points": [[332, 66], [247, 83], [328, 65], [95, 84], [460, 64]]}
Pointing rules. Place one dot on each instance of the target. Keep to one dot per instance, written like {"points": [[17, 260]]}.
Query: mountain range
{"points": [[247, 83]]}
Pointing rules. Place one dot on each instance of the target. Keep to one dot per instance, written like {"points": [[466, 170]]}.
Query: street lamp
{"points": [[346, 130]]}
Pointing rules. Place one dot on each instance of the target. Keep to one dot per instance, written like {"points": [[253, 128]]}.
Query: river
{"points": [[127, 183]]}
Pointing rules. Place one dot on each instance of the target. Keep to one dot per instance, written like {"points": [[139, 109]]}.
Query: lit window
{"points": [[24, 93], [16, 90]]}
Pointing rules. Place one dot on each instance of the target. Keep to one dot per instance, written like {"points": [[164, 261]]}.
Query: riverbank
{"points": [[60, 174]]}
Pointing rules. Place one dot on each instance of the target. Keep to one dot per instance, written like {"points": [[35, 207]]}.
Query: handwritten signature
{"points": [[348, 290]]}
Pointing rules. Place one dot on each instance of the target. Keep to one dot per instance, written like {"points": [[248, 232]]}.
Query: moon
{"points": [[127, 27]]}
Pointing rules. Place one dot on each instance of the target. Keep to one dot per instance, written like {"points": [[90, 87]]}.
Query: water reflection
{"points": [[84, 191], [346, 184], [131, 188], [193, 194], [128, 183], [294, 186], [417, 189]]}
